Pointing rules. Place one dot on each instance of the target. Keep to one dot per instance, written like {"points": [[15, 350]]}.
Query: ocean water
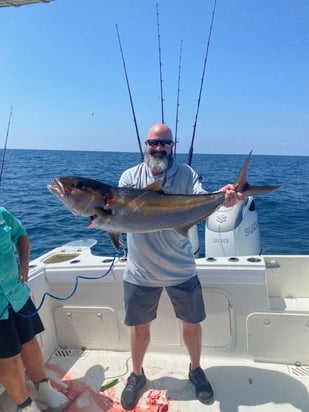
{"points": [[283, 214]]}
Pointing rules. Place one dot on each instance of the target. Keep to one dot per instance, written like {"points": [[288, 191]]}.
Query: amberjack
{"points": [[119, 210]]}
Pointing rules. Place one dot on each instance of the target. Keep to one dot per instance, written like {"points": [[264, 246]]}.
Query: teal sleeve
{"points": [[17, 228]]}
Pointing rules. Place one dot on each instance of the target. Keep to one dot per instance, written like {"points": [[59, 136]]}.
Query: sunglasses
{"points": [[156, 142]]}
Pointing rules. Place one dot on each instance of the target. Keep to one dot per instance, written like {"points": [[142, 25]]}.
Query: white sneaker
{"points": [[50, 397], [31, 408]]}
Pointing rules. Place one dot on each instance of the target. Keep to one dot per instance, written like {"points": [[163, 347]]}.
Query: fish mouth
{"points": [[57, 188]]}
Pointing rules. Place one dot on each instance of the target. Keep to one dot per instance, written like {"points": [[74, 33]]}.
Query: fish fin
{"points": [[258, 190], [154, 187], [241, 180], [116, 240], [244, 187]]}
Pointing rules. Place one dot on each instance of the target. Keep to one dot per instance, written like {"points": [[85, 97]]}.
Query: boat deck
{"points": [[255, 338], [239, 385]]}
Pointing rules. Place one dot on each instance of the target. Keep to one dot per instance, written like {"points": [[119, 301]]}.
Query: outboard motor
{"points": [[233, 231], [193, 236]]}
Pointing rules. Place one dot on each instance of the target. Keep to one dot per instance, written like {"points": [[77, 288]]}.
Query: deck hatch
{"points": [[87, 327], [267, 334]]}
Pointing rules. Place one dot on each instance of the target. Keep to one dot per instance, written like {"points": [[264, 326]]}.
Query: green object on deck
{"points": [[109, 384]]}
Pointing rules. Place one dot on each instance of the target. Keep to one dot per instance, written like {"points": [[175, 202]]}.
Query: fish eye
{"points": [[79, 185]]}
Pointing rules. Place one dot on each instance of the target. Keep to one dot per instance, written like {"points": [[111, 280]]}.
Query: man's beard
{"points": [[157, 165]]}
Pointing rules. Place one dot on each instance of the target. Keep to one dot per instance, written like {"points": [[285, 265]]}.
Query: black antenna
{"points": [[130, 96], [201, 87], [177, 104], [5, 144], [160, 65]]}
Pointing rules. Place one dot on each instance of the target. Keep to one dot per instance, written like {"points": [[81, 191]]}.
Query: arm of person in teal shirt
{"points": [[23, 250]]}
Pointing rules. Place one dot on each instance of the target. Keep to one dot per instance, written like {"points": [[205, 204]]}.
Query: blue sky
{"points": [[61, 70]]}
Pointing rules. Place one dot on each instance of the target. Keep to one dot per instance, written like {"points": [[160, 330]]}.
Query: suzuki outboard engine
{"points": [[193, 236], [233, 231]]}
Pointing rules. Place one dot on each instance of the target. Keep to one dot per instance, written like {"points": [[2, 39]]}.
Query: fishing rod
{"points": [[189, 161], [130, 96], [160, 64], [5, 144], [177, 104]]}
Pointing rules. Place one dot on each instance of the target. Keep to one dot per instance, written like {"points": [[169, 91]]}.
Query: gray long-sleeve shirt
{"points": [[162, 258]]}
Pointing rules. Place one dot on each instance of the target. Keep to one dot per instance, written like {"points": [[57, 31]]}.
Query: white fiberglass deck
{"points": [[239, 386], [255, 337]]}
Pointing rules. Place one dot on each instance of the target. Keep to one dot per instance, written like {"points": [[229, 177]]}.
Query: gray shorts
{"points": [[141, 302]]}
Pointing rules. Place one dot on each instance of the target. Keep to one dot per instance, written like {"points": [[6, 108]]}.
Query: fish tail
{"points": [[244, 187]]}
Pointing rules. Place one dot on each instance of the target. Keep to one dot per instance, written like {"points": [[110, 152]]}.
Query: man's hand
{"points": [[231, 195]]}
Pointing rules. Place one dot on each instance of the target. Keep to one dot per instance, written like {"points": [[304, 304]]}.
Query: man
{"points": [[163, 259], [19, 349]]}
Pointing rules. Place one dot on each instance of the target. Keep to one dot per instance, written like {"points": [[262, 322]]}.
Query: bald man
{"points": [[163, 259]]}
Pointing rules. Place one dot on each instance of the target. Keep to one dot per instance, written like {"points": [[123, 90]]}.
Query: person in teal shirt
{"points": [[20, 323]]}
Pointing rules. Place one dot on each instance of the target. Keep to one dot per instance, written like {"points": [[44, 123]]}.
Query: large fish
{"points": [[125, 209]]}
